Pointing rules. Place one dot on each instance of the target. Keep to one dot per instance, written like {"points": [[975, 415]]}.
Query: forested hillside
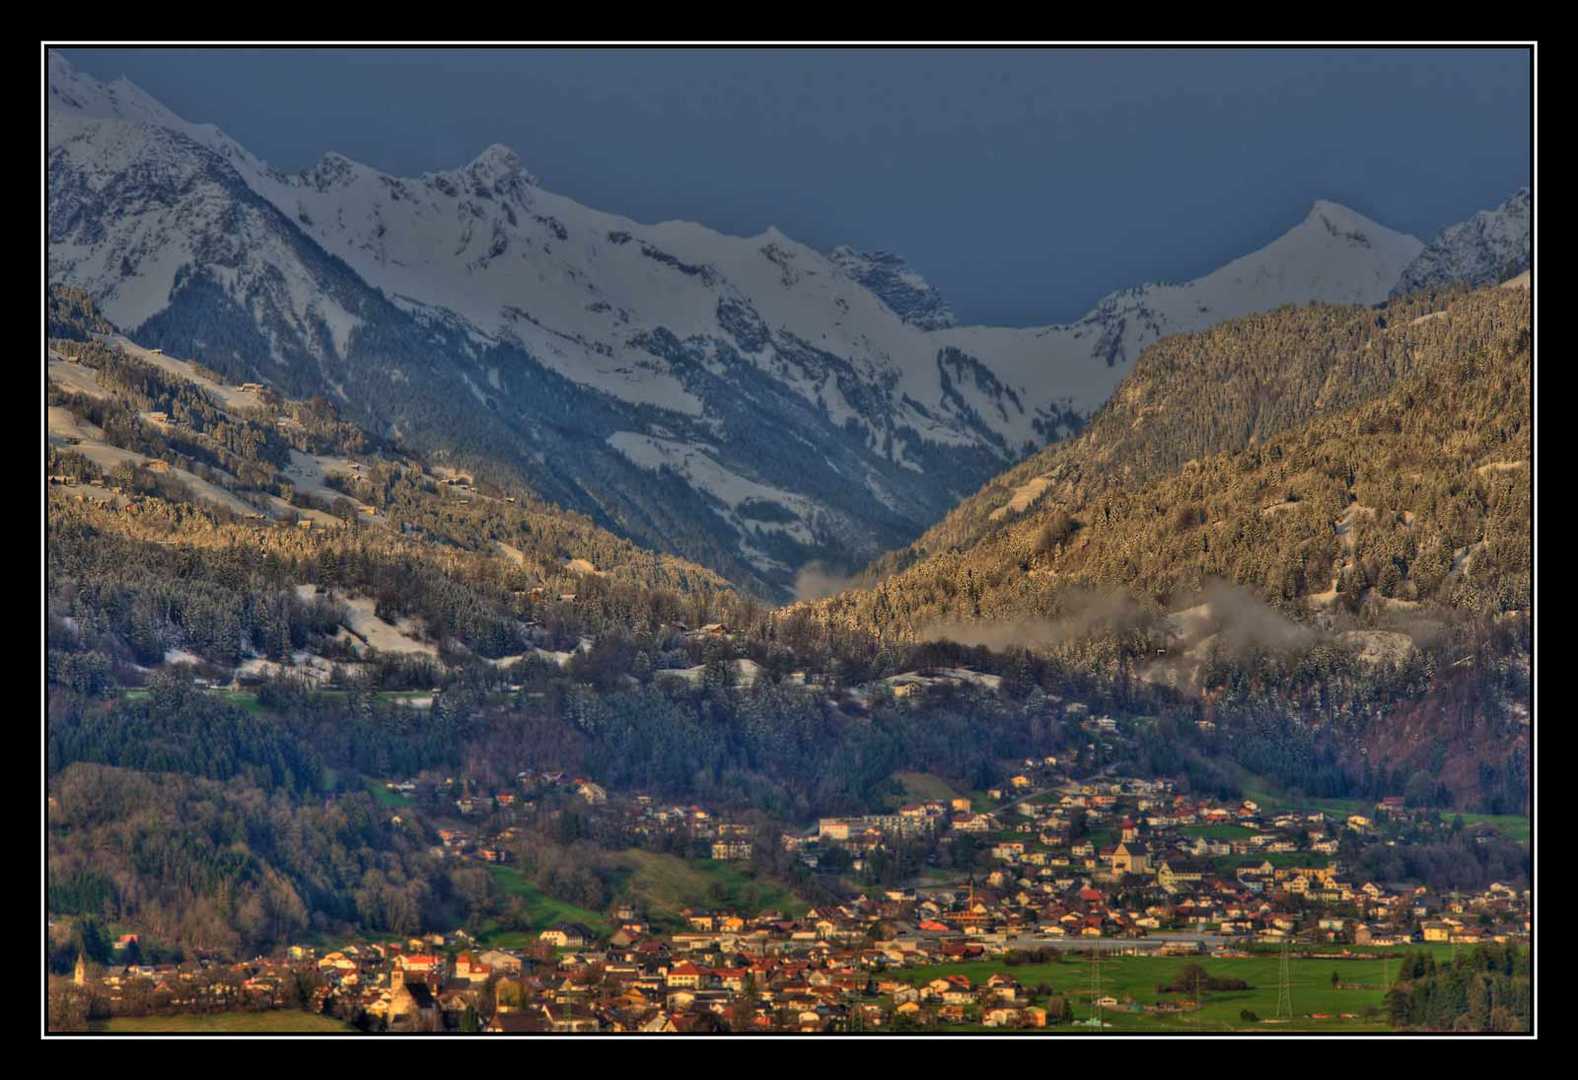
{"points": [[1386, 452], [1357, 553], [1194, 395], [187, 515]]}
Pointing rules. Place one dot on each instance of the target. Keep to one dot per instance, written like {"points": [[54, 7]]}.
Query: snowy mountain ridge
{"points": [[1491, 246], [1335, 255], [748, 402]]}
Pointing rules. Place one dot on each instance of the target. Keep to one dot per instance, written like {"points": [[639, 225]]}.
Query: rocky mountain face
{"points": [[746, 402], [1489, 247], [907, 294]]}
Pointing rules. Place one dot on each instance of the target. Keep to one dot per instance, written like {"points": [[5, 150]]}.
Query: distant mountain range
{"points": [[747, 402]]}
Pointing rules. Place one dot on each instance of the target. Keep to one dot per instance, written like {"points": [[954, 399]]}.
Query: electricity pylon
{"points": [[1095, 984], [1285, 986]]}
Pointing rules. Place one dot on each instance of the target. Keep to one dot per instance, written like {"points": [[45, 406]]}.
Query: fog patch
{"points": [[816, 581], [1084, 613], [1222, 620], [1235, 620]]}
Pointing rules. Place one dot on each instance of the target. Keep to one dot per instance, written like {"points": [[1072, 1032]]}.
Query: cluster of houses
{"points": [[1061, 852], [469, 803], [821, 972], [1226, 868], [200, 985], [863, 964], [1058, 852], [1054, 865], [642, 818]]}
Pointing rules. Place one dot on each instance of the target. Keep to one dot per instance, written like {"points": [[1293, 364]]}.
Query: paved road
{"points": [[1145, 944]]}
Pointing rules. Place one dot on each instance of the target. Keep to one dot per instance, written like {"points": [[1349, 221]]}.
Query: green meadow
{"points": [[1514, 827], [390, 800], [922, 787], [1317, 1005], [542, 911], [275, 1021], [664, 885], [658, 885]]}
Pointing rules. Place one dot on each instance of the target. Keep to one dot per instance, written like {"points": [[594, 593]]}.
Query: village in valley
{"points": [[1069, 904], [500, 583]]}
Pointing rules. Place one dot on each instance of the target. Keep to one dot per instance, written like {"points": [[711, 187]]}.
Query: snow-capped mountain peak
{"points": [[86, 96], [746, 401], [1334, 255], [498, 162], [1337, 218]]}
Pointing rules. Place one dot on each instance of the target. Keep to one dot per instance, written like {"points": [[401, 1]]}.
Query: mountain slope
{"points": [[1491, 246], [167, 483], [1318, 457], [1333, 256], [743, 401], [1355, 574], [1191, 396], [746, 402]]}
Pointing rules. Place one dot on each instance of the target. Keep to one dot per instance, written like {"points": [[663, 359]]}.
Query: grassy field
{"points": [[1514, 827], [1272, 802], [278, 1021], [922, 787], [666, 884], [542, 911], [1133, 980], [390, 800], [1218, 832], [660, 885]]}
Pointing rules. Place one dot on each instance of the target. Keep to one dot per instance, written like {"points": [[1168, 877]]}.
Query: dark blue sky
{"points": [[1024, 184]]}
